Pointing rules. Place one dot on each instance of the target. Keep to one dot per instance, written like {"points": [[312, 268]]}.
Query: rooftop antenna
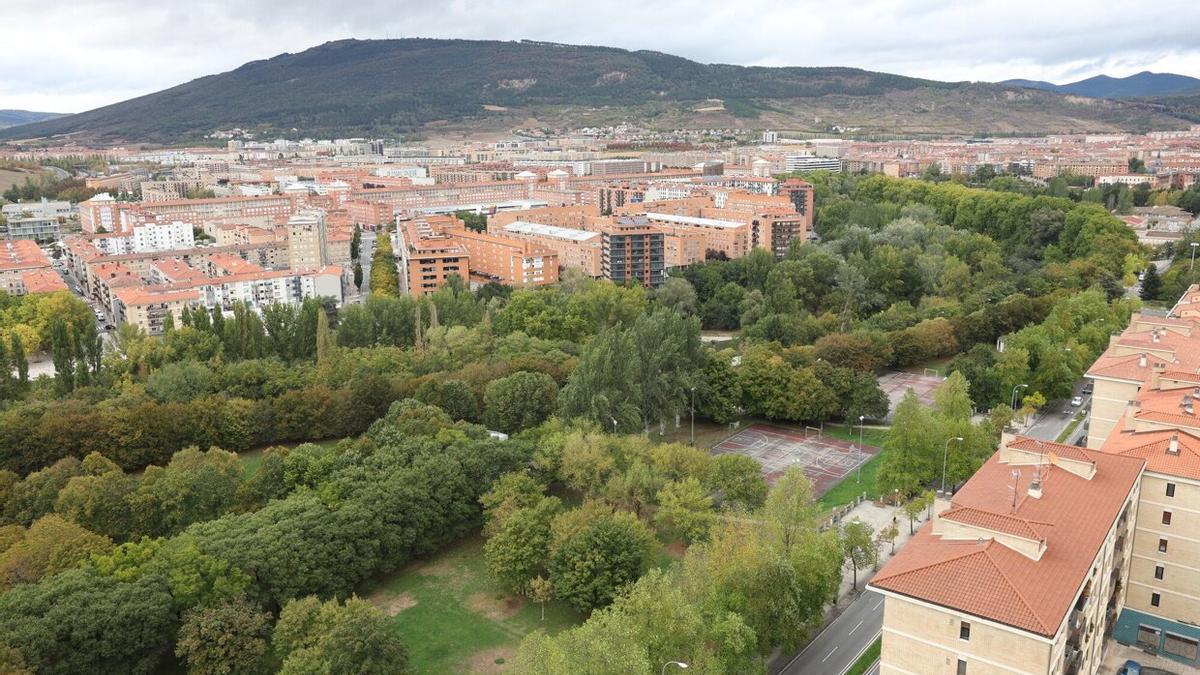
{"points": [[1016, 476]]}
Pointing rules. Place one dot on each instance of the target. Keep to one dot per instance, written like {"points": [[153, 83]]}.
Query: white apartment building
{"points": [[148, 238], [38, 221], [812, 163], [258, 289]]}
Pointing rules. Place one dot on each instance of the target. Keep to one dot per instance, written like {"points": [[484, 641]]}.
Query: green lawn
{"points": [[708, 433], [936, 364], [454, 618], [851, 486], [867, 658], [252, 459]]}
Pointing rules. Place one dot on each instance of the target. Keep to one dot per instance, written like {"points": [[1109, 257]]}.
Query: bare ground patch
{"points": [[486, 661], [444, 567], [493, 606], [392, 603]]}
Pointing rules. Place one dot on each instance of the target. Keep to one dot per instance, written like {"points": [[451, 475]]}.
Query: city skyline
{"points": [[151, 48]]}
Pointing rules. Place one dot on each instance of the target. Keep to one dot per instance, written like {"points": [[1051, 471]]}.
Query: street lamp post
{"points": [[1193, 263], [614, 421], [858, 479], [693, 432], [945, 455], [1014, 395], [678, 664]]}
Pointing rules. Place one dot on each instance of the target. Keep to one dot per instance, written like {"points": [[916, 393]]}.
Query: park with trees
{"points": [[233, 495]]}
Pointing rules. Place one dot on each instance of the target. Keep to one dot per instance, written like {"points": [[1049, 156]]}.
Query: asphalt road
{"points": [[1055, 417], [837, 647]]}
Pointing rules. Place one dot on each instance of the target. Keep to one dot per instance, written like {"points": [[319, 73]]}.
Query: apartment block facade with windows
{"points": [[1023, 573]]}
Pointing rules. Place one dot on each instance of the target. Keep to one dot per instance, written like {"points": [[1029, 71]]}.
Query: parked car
{"points": [[1131, 667], [1077, 401], [1087, 389]]}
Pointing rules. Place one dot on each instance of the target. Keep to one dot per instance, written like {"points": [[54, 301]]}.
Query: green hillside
{"points": [[379, 87]]}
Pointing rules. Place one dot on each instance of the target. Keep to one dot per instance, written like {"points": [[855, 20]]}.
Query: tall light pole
{"points": [[945, 455], [858, 479], [1193, 263], [693, 433], [1014, 396], [614, 421], [678, 664]]}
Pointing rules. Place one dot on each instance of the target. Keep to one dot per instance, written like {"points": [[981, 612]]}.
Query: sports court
{"points": [[825, 460], [896, 383]]}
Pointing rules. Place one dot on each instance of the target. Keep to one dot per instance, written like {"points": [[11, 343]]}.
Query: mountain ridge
{"points": [[12, 118], [1143, 84], [387, 87]]}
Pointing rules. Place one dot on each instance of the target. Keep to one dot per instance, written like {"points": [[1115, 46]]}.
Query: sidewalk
{"points": [[878, 517]]}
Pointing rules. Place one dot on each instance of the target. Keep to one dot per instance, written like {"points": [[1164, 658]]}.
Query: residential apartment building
{"points": [[1024, 573], [274, 208], [505, 259], [102, 213], [24, 269], [168, 190], [576, 249], [307, 240], [729, 238], [631, 250], [427, 255], [38, 221], [1145, 390]]}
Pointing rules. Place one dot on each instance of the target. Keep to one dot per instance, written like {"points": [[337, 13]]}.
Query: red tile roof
{"points": [[1151, 446], [987, 578]]}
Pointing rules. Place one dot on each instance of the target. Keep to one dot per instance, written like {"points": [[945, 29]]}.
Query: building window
{"points": [[1162, 545], [1185, 647], [964, 630], [1166, 520], [1159, 571], [1170, 489], [962, 667], [1155, 598], [1147, 637]]}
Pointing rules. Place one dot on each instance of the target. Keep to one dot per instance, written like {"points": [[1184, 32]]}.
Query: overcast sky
{"points": [[74, 55]]}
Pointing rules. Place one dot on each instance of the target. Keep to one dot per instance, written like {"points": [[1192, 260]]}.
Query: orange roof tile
{"points": [[1151, 446], [997, 522], [987, 578]]}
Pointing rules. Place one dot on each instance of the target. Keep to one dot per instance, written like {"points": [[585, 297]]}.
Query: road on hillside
{"points": [[838, 646]]}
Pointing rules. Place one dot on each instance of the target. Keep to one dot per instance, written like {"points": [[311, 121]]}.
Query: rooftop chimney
{"points": [[1173, 445], [1142, 361]]}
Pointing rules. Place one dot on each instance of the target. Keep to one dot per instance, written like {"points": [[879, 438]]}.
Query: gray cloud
{"points": [[71, 56]]}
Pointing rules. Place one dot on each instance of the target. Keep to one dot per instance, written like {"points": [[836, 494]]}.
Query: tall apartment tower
{"points": [[632, 250], [307, 241]]}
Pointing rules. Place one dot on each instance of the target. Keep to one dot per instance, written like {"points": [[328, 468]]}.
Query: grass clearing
{"points": [[454, 618], [252, 459], [708, 433], [940, 365], [851, 486], [867, 658]]}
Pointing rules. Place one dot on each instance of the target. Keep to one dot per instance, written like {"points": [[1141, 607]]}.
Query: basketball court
{"points": [[825, 460], [896, 383]]}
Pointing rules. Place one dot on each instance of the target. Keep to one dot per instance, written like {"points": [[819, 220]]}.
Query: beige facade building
{"points": [[1146, 387], [1022, 574], [307, 241]]}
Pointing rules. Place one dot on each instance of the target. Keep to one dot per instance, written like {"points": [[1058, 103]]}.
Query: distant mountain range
{"points": [[12, 118], [1142, 84], [387, 87]]}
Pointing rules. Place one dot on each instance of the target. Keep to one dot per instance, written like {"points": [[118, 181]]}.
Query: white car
{"points": [[1077, 401]]}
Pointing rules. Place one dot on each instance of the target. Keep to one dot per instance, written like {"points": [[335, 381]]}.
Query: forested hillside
{"points": [[384, 87]]}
